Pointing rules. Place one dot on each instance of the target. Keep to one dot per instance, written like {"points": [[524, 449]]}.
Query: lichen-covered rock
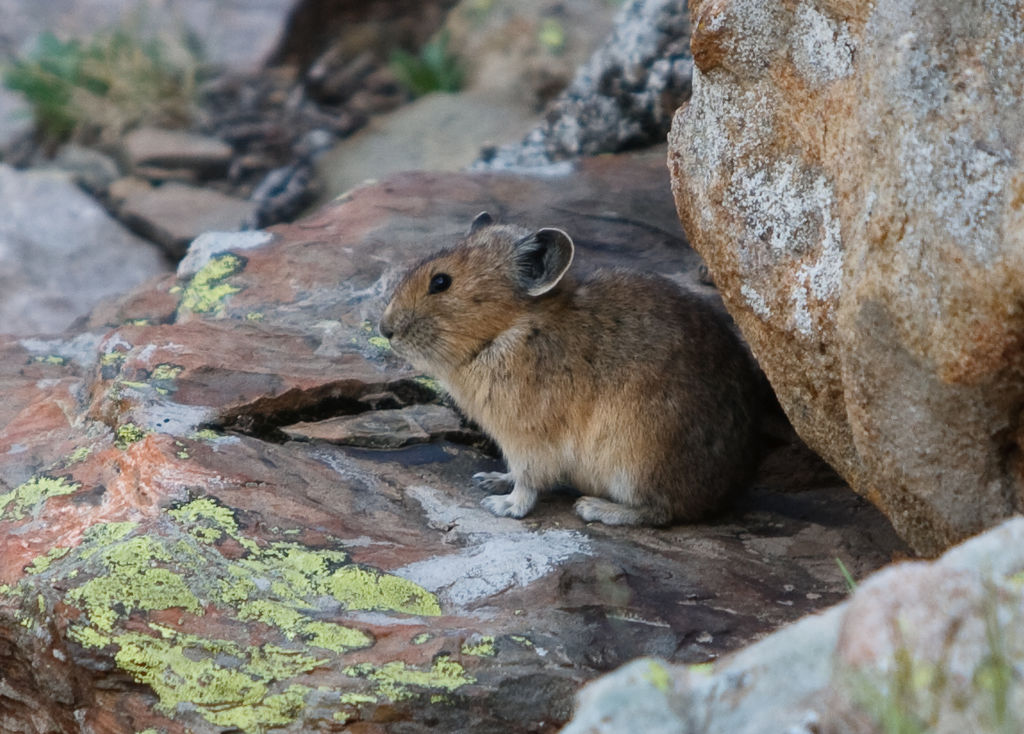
{"points": [[170, 560], [852, 175], [622, 98], [921, 647]]}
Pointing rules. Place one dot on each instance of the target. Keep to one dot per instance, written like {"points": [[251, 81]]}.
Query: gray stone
{"points": [[15, 119], [387, 429], [92, 170], [174, 214], [60, 253]]}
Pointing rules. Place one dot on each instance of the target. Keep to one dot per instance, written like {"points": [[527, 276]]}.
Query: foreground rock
{"points": [[921, 647], [169, 560], [853, 177], [60, 253]]}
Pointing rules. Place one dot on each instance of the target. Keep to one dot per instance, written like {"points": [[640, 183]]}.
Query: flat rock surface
{"points": [[170, 559], [176, 149], [174, 214]]}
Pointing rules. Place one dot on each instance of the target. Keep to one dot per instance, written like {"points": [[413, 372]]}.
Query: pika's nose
{"points": [[386, 329]]}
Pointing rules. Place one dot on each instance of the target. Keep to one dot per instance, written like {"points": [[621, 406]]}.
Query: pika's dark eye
{"points": [[439, 282]]}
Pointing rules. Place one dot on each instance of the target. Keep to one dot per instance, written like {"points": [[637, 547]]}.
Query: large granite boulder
{"points": [[852, 174], [224, 505]]}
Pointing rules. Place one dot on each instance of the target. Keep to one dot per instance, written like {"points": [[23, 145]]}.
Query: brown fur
{"points": [[622, 385]]}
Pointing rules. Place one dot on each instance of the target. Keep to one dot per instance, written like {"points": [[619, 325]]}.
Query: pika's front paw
{"points": [[506, 505], [495, 482]]}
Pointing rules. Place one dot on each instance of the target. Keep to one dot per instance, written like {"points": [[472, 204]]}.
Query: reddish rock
{"points": [[169, 559]]}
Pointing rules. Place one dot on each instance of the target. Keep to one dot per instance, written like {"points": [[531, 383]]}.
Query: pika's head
{"points": [[454, 304]]}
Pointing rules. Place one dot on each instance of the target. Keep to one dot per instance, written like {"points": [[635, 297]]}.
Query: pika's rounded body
{"points": [[621, 385]]}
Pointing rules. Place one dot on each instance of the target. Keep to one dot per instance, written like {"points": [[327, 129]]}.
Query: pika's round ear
{"points": [[542, 259], [481, 220]]}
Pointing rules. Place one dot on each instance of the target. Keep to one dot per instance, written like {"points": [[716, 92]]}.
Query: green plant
{"points": [[435, 69], [98, 89], [851, 583], [917, 696]]}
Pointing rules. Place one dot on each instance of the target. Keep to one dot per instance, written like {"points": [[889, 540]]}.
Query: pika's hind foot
{"points": [[495, 482], [595, 509], [515, 504]]}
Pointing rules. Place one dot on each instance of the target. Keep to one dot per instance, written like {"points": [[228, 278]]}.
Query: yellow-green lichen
{"points": [[128, 434], [551, 35], [380, 343], [363, 589], [133, 384], [254, 316], [430, 383], [78, 455], [524, 641], [205, 434], [133, 579], [354, 699], [110, 359], [89, 637], [163, 376], [657, 675], [421, 638], [53, 359], [28, 497], [43, 562], [233, 684], [165, 372], [398, 682], [702, 669], [482, 647], [96, 537], [136, 322], [207, 290], [228, 684], [207, 520], [295, 624]]}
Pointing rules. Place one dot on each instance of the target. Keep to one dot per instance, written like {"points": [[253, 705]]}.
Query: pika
{"points": [[620, 384]]}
